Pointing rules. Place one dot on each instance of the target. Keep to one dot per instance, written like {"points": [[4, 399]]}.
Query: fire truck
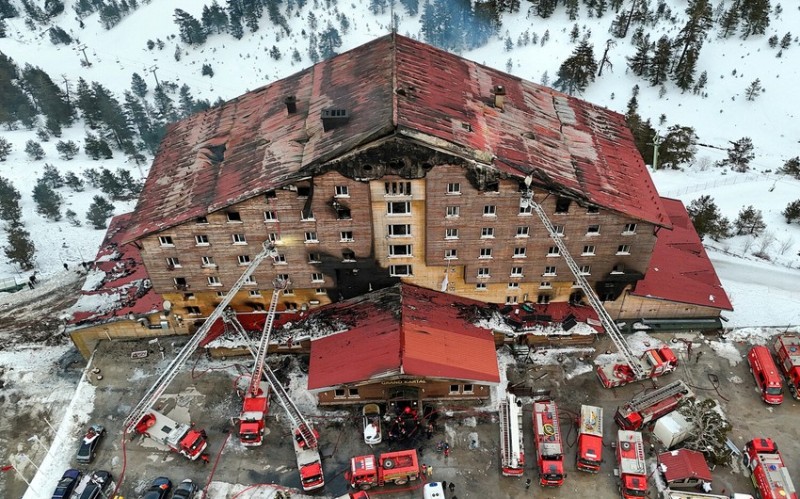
{"points": [[682, 494], [398, 467], [512, 448], [648, 407], [632, 466], [590, 439], [547, 440], [144, 420], [654, 362], [767, 470], [787, 347]]}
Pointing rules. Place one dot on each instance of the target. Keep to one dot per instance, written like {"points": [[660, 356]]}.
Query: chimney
{"points": [[500, 97], [332, 118], [291, 104]]}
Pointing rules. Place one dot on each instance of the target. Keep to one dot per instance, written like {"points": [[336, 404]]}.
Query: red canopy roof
{"points": [[680, 269], [404, 330], [394, 86], [684, 463]]}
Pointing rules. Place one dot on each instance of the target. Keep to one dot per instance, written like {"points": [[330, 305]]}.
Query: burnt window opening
{"points": [[201, 220], [593, 209], [466, 126], [234, 216], [215, 154], [562, 205], [291, 104], [270, 194], [303, 191], [493, 186], [343, 214]]}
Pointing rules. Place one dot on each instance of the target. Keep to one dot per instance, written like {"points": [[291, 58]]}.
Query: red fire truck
{"points": [[512, 446], [767, 470], [392, 467], [652, 364], [177, 437], [765, 372], [787, 347], [632, 466], [590, 439], [547, 439], [648, 407]]}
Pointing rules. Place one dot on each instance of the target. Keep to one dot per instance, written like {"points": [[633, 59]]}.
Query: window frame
{"points": [[517, 272], [523, 231], [589, 250], [452, 211], [489, 210], [550, 271], [520, 252], [451, 253], [451, 233], [239, 239], [213, 281], [453, 189], [624, 249], [394, 270], [629, 229], [173, 262], [485, 254], [317, 277], [310, 237], [243, 259], [593, 230], [391, 205], [166, 241], [346, 236], [341, 191], [233, 217], [270, 216], [487, 232], [202, 240], [390, 230], [408, 248]]}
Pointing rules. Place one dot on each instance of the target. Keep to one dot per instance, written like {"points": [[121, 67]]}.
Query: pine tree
{"points": [[207, 70], [691, 36], [73, 182], [791, 167], [48, 202], [52, 177], [792, 211], [753, 90], [10, 210], [235, 25], [684, 74], [659, 65], [786, 41], [110, 185], [214, 18], [755, 17], [72, 218], [59, 37], [329, 41], [67, 150], [729, 22], [701, 83], [578, 70], [190, 30], [112, 116], [639, 63], [20, 248], [5, 149], [749, 221], [678, 147], [185, 101], [412, 6], [87, 103], [165, 106], [707, 219], [739, 155], [15, 105], [99, 212], [138, 85], [34, 150]]}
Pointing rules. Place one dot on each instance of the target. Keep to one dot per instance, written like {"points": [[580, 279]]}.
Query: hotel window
{"points": [[454, 188], [400, 270], [451, 234], [516, 272], [192, 310], [454, 390], [343, 213], [257, 307], [559, 230], [451, 254], [523, 231], [398, 208], [593, 210], [243, 259], [338, 393], [201, 240], [588, 250], [207, 261], [481, 286], [490, 210], [525, 210], [303, 191], [189, 296], [399, 230], [550, 270], [485, 253], [618, 269], [399, 250], [279, 259], [624, 249], [288, 292], [311, 237], [353, 392], [543, 299], [513, 285], [452, 211], [270, 216], [321, 291], [306, 216], [562, 205], [397, 188], [239, 239], [255, 293], [317, 277], [314, 258], [173, 263], [511, 300], [586, 269], [234, 216], [346, 236], [484, 272], [292, 307], [545, 285], [180, 283], [629, 229], [487, 232], [341, 191], [201, 220], [552, 251], [250, 281], [274, 237], [271, 195], [593, 230], [213, 280], [468, 388], [348, 256], [166, 241], [520, 252]]}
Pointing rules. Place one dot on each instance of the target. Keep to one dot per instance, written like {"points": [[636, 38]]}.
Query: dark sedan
{"points": [[159, 489], [185, 490], [67, 484], [98, 482], [91, 439]]}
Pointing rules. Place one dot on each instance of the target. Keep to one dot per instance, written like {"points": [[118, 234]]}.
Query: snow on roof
{"points": [[118, 284]]}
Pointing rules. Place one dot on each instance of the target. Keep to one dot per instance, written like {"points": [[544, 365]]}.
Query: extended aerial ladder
{"points": [[646, 408], [512, 447], [157, 390]]}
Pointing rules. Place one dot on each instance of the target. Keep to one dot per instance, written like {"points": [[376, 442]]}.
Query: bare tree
{"points": [[785, 245], [711, 431], [748, 243], [767, 239]]}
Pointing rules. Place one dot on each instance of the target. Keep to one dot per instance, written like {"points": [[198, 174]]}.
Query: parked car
{"points": [[371, 415], [67, 484], [185, 490], [91, 439], [98, 482], [159, 489]]}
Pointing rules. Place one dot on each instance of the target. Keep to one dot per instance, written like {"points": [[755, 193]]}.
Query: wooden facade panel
{"points": [[417, 389]]}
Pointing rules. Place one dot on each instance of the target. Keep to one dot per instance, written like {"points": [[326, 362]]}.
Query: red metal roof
{"points": [[680, 269], [684, 463], [122, 290], [393, 85], [404, 330]]}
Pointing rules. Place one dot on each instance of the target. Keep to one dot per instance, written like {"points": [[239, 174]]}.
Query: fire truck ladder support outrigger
{"points": [[605, 319], [169, 374]]}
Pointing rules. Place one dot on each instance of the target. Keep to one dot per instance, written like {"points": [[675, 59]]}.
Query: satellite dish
{"points": [[167, 305]]}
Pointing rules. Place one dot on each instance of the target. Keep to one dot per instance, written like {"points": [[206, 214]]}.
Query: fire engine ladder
{"points": [[296, 418], [261, 353], [169, 374], [505, 431], [648, 399], [608, 323]]}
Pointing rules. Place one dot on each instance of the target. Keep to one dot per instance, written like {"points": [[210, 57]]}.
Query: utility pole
{"points": [[153, 69], [656, 142], [82, 48], [66, 87]]}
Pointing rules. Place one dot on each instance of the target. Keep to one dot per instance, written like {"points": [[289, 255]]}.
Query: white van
{"points": [[433, 490]]}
